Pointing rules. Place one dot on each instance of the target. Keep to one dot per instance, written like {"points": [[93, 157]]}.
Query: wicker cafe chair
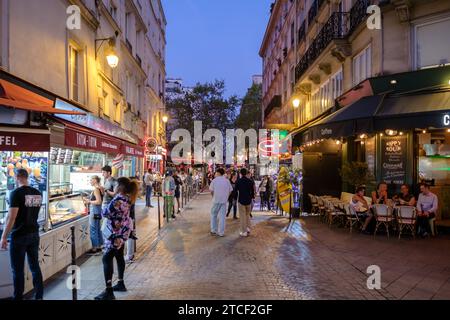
{"points": [[352, 219], [333, 214], [383, 216], [314, 204], [406, 219], [322, 209]]}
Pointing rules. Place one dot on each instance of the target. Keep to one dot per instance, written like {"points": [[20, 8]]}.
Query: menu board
{"points": [[393, 159], [64, 156]]}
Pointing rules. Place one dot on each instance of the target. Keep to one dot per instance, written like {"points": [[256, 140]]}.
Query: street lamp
{"points": [[296, 103], [111, 56]]}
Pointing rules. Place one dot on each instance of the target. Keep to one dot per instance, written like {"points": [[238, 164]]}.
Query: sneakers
{"points": [[173, 217], [243, 234], [120, 287], [108, 294], [248, 230], [94, 252], [220, 235], [213, 233]]}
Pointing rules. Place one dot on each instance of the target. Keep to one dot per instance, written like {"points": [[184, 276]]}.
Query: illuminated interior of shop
{"points": [[434, 157], [69, 181], [36, 163]]}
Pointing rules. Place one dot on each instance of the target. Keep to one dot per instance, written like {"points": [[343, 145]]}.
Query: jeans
{"points": [[108, 264], [218, 212], [423, 224], [232, 204], [95, 226], [19, 247], [148, 195]]}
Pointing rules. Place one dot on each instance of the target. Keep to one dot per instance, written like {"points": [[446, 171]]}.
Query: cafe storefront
{"points": [[403, 135]]}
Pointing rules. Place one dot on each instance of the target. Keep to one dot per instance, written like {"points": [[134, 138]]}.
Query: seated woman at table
{"points": [[405, 198], [361, 208], [381, 195]]}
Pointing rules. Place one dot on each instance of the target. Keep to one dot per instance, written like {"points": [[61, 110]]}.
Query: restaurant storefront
{"points": [[403, 134]]}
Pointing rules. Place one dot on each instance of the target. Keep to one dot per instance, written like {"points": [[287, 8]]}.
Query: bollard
{"points": [[74, 263], [159, 214]]}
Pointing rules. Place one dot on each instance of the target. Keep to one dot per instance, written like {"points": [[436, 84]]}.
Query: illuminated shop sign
{"points": [[447, 120]]}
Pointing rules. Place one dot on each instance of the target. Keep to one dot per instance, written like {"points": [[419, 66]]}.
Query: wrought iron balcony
{"points": [[274, 103], [314, 10], [335, 28], [358, 13], [302, 32]]}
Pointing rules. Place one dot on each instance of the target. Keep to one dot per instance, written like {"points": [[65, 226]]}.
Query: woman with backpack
{"points": [[94, 201]]}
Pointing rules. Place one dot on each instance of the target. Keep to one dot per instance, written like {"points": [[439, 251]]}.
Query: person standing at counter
{"points": [[148, 181], [109, 190], [117, 230], [24, 205], [95, 215], [427, 206]]}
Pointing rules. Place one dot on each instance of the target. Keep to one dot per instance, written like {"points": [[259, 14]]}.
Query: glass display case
{"points": [[60, 189], [65, 209]]}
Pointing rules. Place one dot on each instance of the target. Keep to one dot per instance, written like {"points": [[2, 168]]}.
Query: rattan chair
{"points": [[383, 216], [322, 209], [333, 214], [314, 204], [406, 219], [352, 219]]}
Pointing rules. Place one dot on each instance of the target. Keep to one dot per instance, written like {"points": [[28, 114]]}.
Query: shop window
{"points": [[118, 113], [431, 43], [362, 65]]}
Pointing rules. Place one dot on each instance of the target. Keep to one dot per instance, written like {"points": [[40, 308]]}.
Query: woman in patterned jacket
{"points": [[116, 231]]}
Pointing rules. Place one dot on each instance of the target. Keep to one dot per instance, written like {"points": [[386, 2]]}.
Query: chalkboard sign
{"points": [[393, 159]]}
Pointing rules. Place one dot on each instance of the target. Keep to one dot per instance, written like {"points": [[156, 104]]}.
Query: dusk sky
{"points": [[215, 39]]}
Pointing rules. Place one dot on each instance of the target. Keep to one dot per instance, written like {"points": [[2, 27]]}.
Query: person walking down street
{"points": [[220, 189], [116, 232], [21, 221], [268, 193], [109, 189], [148, 181], [168, 190], [178, 185], [262, 192], [190, 184], [250, 177], [94, 201], [232, 199], [246, 193]]}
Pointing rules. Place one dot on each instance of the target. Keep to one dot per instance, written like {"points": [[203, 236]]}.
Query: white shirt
{"points": [[222, 188]]}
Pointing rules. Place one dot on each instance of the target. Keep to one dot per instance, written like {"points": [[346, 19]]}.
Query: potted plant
{"points": [[356, 174]]}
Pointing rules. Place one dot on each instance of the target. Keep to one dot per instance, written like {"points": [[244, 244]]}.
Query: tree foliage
{"points": [[205, 102], [250, 115]]}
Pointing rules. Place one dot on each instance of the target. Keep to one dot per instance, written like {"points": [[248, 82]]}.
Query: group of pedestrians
{"points": [[239, 193]]}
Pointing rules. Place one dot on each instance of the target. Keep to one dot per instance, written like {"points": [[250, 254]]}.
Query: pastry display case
{"points": [[60, 189], [65, 209]]}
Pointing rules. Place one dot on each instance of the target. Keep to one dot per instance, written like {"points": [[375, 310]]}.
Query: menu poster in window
{"points": [[393, 159]]}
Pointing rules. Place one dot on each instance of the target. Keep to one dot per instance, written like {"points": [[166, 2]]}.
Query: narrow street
{"points": [[303, 260]]}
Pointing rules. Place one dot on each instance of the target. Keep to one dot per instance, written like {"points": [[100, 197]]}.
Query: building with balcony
{"points": [[360, 88]]}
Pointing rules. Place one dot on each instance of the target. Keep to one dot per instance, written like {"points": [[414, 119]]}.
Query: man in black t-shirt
{"points": [[246, 193], [24, 206]]}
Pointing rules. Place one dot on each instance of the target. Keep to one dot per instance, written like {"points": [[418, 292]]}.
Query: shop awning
{"points": [[354, 119], [79, 137], [14, 96], [414, 111], [13, 140]]}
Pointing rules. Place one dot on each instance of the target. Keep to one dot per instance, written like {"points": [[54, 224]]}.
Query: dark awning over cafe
{"points": [[353, 119]]}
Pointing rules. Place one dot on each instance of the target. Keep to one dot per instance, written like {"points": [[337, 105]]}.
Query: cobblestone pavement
{"points": [[301, 260]]}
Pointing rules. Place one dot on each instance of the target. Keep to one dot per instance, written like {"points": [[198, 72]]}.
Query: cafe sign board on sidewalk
{"points": [[394, 159]]}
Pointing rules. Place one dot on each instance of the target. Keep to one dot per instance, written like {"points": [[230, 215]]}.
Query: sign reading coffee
{"points": [[393, 159]]}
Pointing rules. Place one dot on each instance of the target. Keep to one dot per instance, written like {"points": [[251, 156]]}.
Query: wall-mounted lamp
{"points": [[296, 103], [111, 56]]}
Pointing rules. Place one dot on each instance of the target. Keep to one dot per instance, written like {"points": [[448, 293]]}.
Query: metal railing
{"points": [[335, 28], [358, 13]]}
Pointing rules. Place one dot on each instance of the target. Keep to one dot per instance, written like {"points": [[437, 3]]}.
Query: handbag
{"points": [[106, 230]]}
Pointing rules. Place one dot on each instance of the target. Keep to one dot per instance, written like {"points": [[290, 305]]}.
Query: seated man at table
{"points": [[405, 198], [381, 195], [361, 208], [427, 206]]}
